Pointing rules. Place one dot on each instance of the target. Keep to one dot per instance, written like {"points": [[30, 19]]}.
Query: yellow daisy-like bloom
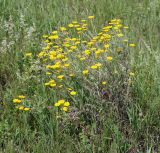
{"points": [[17, 100], [66, 104], [21, 96], [26, 109], [57, 104], [132, 45], [21, 107], [63, 29], [70, 25], [94, 67], [28, 54], [91, 17], [65, 109], [85, 72], [109, 58], [60, 76], [73, 93], [131, 74], [52, 84], [99, 64], [62, 101], [104, 82], [53, 37]]}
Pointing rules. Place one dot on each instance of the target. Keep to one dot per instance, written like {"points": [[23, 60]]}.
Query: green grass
{"points": [[128, 122]]}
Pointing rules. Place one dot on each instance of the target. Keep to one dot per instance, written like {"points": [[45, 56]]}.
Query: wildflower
{"points": [[54, 32], [66, 104], [132, 45], [65, 109], [85, 72], [63, 29], [109, 58], [21, 107], [94, 67], [53, 37], [60, 76], [48, 73], [52, 84], [61, 101], [17, 100], [57, 104], [26, 109], [71, 75], [131, 74], [106, 45], [120, 35], [21, 96], [91, 17], [73, 93], [99, 64], [28, 54], [70, 25], [104, 82]]}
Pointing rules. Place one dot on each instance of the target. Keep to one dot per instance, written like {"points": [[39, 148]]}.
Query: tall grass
{"points": [[126, 119]]}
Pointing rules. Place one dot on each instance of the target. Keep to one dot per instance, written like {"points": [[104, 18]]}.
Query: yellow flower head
{"points": [[21, 96], [131, 74], [65, 109], [91, 17], [85, 72], [28, 54], [109, 58], [17, 100], [60, 76], [66, 104], [104, 82], [73, 93], [132, 45]]}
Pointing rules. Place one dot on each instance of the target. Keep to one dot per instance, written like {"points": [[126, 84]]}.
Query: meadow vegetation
{"points": [[80, 76]]}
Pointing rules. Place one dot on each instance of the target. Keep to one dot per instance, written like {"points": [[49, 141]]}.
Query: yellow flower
{"points": [[21, 107], [131, 74], [66, 65], [132, 45], [99, 64], [73, 93], [54, 32], [71, 75], [63, 29], [91, 17], [17, 100], [66, 104], [57, 104], [52, 84], [28, 54], [26, 109], [85, 72], [94, 67], [53, 37], [70, 25], [109, 58], [120, 35], [104, 82], [21, 96], [65, 109], [60, 76], [48, 73], [62, 101]]}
